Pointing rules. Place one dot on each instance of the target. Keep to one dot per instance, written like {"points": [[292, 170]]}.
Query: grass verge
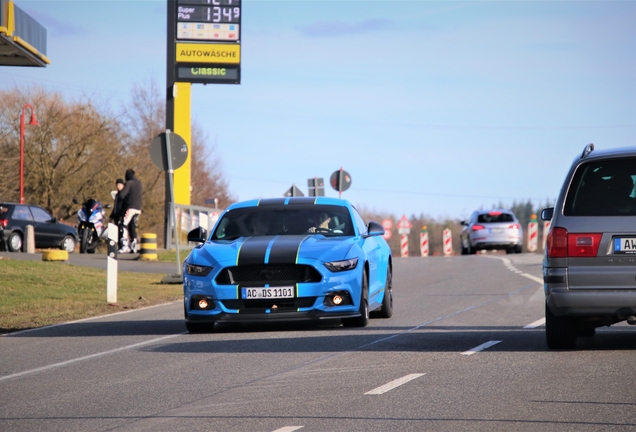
{"points": [[38, 293]]}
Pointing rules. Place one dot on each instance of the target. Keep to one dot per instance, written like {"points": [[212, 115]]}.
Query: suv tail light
{"points": [[562, 244], [583, 244], [4, 223], [478, 227]]}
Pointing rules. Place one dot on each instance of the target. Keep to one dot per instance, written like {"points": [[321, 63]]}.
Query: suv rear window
{"points": [[603, 188], [494, 217]]}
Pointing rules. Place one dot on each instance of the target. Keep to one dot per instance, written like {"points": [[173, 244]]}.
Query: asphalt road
{"points": [[465, 350]]}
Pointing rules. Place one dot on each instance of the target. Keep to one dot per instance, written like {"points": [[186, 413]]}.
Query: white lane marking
{"points": [[289, 428], [393, 384], [512, 268], [535, 324], [534, 278], [86, 319], [480, 347], [75, 360]]}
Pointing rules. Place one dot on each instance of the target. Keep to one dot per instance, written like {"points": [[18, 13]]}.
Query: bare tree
{"points": [[69, 155]]}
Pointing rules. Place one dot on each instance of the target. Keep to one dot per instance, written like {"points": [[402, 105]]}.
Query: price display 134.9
{"points": [[215, 14]]}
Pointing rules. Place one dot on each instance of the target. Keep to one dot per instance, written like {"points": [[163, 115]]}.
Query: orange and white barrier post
{"points": [[424, 242], [447, 240], [404, 228], [533, 233], [546, 228], [404, 245]]}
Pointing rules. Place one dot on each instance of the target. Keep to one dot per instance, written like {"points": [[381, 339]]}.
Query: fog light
{"points": [[203, 304], [337, 299]]}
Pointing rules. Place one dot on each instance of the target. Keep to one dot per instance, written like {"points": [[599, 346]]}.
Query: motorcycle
{"points": [[90, 225]]}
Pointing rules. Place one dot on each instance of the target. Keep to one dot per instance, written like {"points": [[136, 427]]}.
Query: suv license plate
{"points": [[627, 245], [267, 293]]}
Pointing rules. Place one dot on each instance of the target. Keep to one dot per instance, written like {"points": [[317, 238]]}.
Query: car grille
{"points": [[258, 306], [260, 275]]}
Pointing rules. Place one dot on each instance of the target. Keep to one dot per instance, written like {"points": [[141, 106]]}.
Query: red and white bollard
{"points": [[546, 228], [447, 240], [404, 245], [424, 242], [533, 233]]}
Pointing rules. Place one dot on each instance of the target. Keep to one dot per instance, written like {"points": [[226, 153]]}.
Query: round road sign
{"points": [[159, 154], [340, 180]]}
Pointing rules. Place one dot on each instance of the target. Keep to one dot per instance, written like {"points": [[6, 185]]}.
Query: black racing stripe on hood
{"points": [[253, 250], [285, 249], [272, 201]]}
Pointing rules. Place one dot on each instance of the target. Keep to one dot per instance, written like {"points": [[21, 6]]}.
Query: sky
{"points": [[434, 108]]}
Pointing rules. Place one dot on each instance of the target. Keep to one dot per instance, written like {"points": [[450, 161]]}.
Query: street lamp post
{"points": [[32, 122]]}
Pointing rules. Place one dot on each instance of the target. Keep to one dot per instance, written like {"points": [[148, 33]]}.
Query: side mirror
{"points": [[546, 214], [198, 235], [53, 220], [375, 229], [463, 223]]}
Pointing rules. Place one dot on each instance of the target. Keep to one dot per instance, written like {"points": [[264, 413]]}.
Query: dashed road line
{"points": [[289, 428], [393, 384], [481, 347]]}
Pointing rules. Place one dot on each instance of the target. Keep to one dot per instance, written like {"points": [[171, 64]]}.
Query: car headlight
{"points": [[338, 266], [197, 270]]}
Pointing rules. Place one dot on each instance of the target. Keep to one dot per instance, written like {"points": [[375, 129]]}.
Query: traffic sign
{"points": [[293, 192], [387, 224], [316, 186], [340, 180], [405, 223], [159, 153]]}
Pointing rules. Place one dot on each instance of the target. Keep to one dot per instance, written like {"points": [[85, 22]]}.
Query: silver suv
{"points": [[589, 267], [491, 230]]}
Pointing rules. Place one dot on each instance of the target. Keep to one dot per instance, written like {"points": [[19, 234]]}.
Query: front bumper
{"points": [[313, 315], [311, 300]]}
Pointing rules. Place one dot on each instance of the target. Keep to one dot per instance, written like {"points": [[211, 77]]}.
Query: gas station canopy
{"points": [[22, 39]]}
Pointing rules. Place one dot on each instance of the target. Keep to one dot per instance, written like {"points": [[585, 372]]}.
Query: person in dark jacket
{"points": [[117, 215], [118, 205], [131, 199]]}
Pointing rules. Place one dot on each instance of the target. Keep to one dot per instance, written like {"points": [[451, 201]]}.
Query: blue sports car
{"points": [[286, 259]]}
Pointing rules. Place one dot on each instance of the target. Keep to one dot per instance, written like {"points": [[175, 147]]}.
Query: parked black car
{"points": [[49, 233]]}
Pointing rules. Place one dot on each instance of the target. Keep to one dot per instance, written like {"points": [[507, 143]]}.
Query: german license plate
{"points": [[496, 230], [267, 293], [624, 244]]}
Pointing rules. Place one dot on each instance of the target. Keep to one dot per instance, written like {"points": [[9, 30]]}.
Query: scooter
{"points": [[90, 225]]}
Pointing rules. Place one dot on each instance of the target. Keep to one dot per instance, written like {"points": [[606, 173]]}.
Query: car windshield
{"points": [[494, 217], [284, 220], [603, 188]]}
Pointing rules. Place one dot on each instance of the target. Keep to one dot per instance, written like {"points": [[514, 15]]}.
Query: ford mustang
{"points": [[287, 259]]}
